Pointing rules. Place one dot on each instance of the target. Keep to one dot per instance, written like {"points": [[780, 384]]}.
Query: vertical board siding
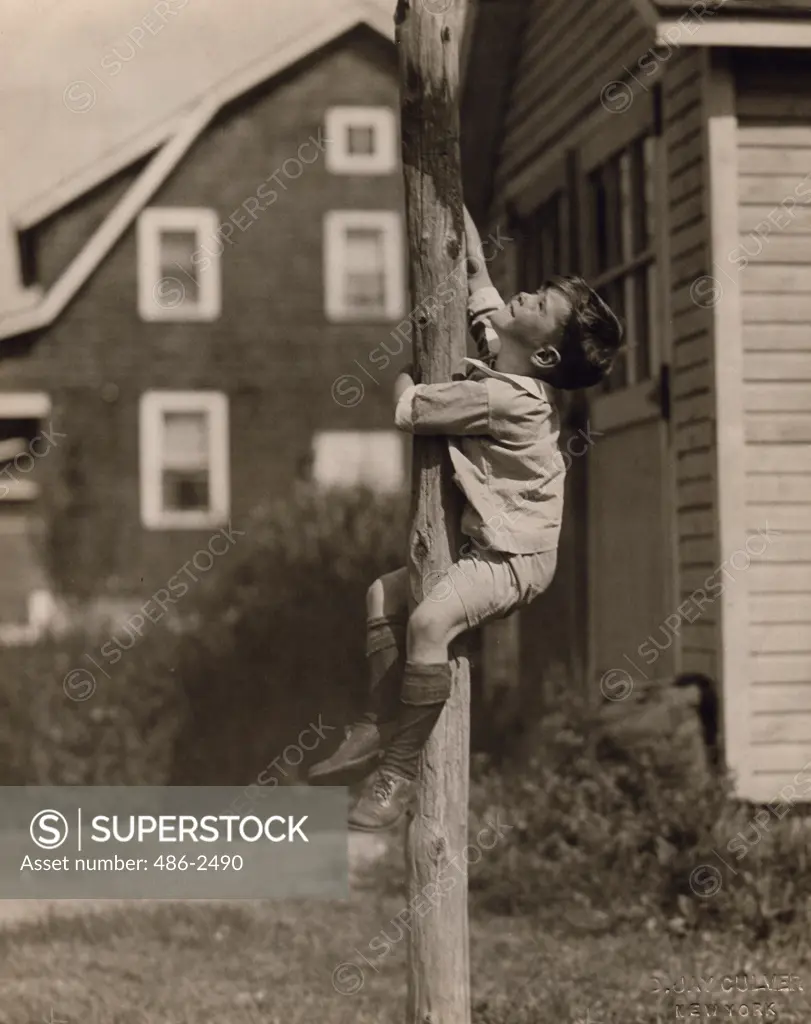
{"points": [[693, 405], [775, 273]]}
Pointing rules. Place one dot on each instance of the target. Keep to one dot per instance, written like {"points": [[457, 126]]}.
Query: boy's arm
{"points": [[458, 408], [403, 383], [478, 276], [484, 298]]}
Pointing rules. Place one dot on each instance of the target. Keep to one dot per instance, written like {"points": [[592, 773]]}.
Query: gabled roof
{"points": [[174, 135], [98, 91]]}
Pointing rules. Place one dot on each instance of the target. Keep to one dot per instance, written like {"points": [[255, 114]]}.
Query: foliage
{"points": [[609, 826], [279, 644], [267, 644], [67, 721], [620, 825]]}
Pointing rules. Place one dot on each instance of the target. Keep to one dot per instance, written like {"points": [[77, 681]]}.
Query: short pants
{"points": [[491, 584]]}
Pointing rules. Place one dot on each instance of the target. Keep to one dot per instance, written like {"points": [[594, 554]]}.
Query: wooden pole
{"points": [[428, 41]]}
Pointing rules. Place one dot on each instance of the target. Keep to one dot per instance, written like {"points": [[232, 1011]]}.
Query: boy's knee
{"points": [[427, 624], [388, 594], [374, 598]]}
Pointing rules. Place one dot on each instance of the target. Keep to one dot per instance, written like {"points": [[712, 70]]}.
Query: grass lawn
{"points": [[273, 963]]}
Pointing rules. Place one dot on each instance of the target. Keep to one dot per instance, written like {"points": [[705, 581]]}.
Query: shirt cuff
{"points": [[404, 410]]}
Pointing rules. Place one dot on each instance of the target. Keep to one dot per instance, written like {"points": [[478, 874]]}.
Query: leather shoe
{"points": [[361, 748], [383, 802]]}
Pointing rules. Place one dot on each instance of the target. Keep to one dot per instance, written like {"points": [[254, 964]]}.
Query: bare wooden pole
{"points": [[428, 41]]}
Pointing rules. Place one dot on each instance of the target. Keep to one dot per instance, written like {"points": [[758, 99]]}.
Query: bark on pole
{"points": [[428, 34]]}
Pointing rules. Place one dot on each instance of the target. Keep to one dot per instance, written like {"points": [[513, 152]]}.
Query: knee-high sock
{"points": [[425, 690], [385, 661]]}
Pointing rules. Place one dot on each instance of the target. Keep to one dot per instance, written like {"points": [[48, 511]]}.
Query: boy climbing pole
{"points": [[508, 466]]}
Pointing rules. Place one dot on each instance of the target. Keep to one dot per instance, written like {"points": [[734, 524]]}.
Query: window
{"points": [[622, 221], [372, 458], [178, 265], [27, 438], [23, 445], [361, 140], [363, 265], [543, 242], [184, 459]]}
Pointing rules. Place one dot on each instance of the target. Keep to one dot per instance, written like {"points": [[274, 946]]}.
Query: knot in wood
{"points": [[438, 847], [446, 34]]}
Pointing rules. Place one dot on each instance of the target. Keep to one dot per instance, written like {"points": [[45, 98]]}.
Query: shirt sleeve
{"points": [[458, 408], [481, 304]]}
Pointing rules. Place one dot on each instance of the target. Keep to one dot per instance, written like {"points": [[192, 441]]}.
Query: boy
{"points": [[508, 465]]}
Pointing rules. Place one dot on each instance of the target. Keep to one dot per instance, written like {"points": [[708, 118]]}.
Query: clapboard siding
{"points": [[785, 697], [573, 49], [693, 406], [774, 168]]}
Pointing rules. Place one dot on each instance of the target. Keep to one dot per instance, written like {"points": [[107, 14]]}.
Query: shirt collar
{"points": [[531, 385]]}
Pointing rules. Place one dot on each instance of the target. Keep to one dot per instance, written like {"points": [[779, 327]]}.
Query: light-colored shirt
{"points": [[480, 305], [507, 461]]}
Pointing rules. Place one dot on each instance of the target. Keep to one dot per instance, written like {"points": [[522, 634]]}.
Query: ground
{"points": [[283, 963]]}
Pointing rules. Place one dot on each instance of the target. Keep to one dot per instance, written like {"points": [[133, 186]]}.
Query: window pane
{"points": [[541, 244], [360, 140], [599, 225], [17, 437], [623, 225], [185, 440], [641, 196], [642, 323], [374, 459], [649, 174], [176, 251], [628, 205], [606, 215], [185, 490], [614, 295], [365, 269]]}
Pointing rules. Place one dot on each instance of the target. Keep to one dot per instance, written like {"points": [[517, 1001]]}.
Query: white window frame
{"points": [[21, 405], [153, 406], [363, 439], [160, 298], [383, 124], [336, 225]]}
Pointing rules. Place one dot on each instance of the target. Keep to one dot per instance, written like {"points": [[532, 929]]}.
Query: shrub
{"points": [[624, 824], [117, 728], [272, 641], [280, 640], [607, 825]]}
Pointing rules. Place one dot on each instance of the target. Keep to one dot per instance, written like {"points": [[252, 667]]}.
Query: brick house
{"points": [[663, 149], [186, 336]]}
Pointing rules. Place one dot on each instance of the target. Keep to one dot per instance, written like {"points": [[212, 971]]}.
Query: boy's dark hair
{"points": [[592, 338]]}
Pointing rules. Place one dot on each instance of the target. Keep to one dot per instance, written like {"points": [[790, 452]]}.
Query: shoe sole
{"points": [[371, 831], [407, 812]]}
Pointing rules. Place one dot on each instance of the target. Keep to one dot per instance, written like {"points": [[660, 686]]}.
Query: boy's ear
{"points": [[546, 357]]}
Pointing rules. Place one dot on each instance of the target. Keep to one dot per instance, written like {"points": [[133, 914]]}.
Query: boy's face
{"points": [[533, 319]]}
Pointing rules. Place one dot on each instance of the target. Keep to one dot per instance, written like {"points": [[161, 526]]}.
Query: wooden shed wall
{"points": [[774, 189], [572, 50]]}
